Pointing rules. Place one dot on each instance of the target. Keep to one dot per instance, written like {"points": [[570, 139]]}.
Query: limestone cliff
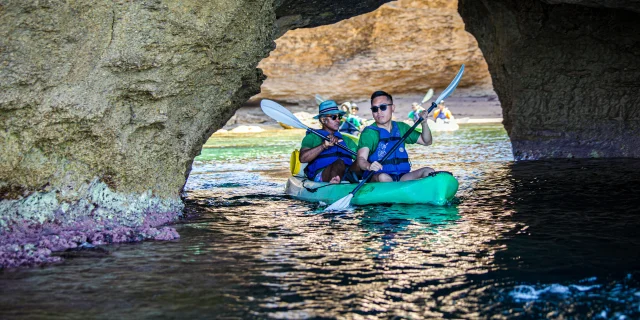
{"points": [[404, 47]]}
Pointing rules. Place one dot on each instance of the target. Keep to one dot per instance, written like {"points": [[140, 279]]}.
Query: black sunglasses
{"points": [[334, 117], [382, 107]]}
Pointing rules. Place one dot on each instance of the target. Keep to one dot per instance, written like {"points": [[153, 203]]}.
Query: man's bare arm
{"points": [[363, 154], [426, 139], [309, 154]]}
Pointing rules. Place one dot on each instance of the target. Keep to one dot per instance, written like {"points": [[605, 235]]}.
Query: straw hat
{"points": [[328, 107]]}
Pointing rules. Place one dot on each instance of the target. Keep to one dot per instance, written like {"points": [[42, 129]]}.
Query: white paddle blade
{"points": [[452, 86], [280, 114], [319, 99], [341, 204], [427, 96]]}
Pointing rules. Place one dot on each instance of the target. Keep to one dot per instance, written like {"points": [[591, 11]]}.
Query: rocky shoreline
{"points": [[34, 227]]}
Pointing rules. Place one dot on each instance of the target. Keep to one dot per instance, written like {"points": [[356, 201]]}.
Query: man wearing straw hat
{"points": [[326, 161]]}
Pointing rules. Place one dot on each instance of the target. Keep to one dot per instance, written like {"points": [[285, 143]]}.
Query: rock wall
{"points": [[566, 74], [404, 47], [104, 105]]}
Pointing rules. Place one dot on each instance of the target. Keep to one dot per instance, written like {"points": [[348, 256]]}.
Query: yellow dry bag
{"points": [[294, 162]]}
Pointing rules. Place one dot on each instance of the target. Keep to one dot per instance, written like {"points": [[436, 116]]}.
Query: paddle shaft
{"points": [[327, 139], [350, 124], [369, 174]]}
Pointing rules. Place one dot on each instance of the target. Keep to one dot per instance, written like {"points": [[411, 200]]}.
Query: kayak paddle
{"points": [[319, 99], [281, 114], [427, 96], [350, 125], [344, 202]]}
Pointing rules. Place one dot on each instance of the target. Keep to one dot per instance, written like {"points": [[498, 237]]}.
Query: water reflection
{"points": [[525, 240], [570, 252]]}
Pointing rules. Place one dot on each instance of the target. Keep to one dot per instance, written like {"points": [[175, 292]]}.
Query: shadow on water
{"points": [[573, 249]]}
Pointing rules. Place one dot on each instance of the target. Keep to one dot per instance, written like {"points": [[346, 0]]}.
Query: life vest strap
{"points": [[334, 154], [395, 161]]}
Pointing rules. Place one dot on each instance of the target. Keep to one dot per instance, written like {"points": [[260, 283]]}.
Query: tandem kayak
{"points": [[437, 189]]}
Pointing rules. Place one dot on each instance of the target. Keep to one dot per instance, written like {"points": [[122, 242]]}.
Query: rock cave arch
{"points": [[104, 106]]}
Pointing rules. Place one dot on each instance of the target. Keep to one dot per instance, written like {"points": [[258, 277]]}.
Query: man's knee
{"points": [[382, 177], [426, 171]]}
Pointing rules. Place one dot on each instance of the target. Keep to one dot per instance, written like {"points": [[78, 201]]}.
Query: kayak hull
{"points": [[438, 189]]}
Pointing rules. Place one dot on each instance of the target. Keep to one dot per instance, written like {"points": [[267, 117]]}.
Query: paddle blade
{"points": [[341, 204], [319, 99], [427, 96], [452, 86], [280, 114]]}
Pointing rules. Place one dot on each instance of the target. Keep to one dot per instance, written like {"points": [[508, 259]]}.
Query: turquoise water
{"points": [[533, 240]]}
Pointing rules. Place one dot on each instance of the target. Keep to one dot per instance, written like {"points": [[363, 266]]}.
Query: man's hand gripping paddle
{"points": [[344, 202]]}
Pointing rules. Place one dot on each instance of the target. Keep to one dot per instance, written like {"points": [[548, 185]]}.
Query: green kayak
{"points": [[437, 189]]}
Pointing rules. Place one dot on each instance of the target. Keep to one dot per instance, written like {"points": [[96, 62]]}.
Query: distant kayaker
{"points": [[442, 113], [383, 135], [326, 161], [351, 123], [354, 115], [345, 106], [416, 108]]}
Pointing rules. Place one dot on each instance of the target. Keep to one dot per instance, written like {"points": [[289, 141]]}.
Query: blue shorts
{"points": [[318, 177]]}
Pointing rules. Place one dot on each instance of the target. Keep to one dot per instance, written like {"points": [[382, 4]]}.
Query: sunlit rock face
{"points": [[566, 73], [404, 47], [125, 92], [105, 104]]}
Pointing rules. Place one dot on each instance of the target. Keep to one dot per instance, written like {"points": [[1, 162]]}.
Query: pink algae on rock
{"points": [[33, 227], [25, 243]]}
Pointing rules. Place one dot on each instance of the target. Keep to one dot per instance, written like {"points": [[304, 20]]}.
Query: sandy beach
{"points": [[467, 105]]}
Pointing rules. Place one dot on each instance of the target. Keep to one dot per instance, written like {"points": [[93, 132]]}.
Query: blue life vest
{"points": [[398, 162], [442, 115], [327, 157]]}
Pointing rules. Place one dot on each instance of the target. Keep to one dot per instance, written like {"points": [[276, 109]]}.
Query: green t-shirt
{"points": [[354, 120], [369, 138], [312, 141]]}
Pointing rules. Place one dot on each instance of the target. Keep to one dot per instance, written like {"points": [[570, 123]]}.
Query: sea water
{"points": [[544, 239]]}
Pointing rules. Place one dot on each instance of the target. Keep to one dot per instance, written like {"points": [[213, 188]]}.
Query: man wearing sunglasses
{"points": [[383, 135], [326, 161]]}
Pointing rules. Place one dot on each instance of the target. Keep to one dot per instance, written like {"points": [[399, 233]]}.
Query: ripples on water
{"points": [[547, 239]]}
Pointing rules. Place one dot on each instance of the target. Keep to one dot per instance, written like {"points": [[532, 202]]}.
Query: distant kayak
{"points": [[437, 189], [285, 126], [352, 137], [304, 117], [439, 125]]}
